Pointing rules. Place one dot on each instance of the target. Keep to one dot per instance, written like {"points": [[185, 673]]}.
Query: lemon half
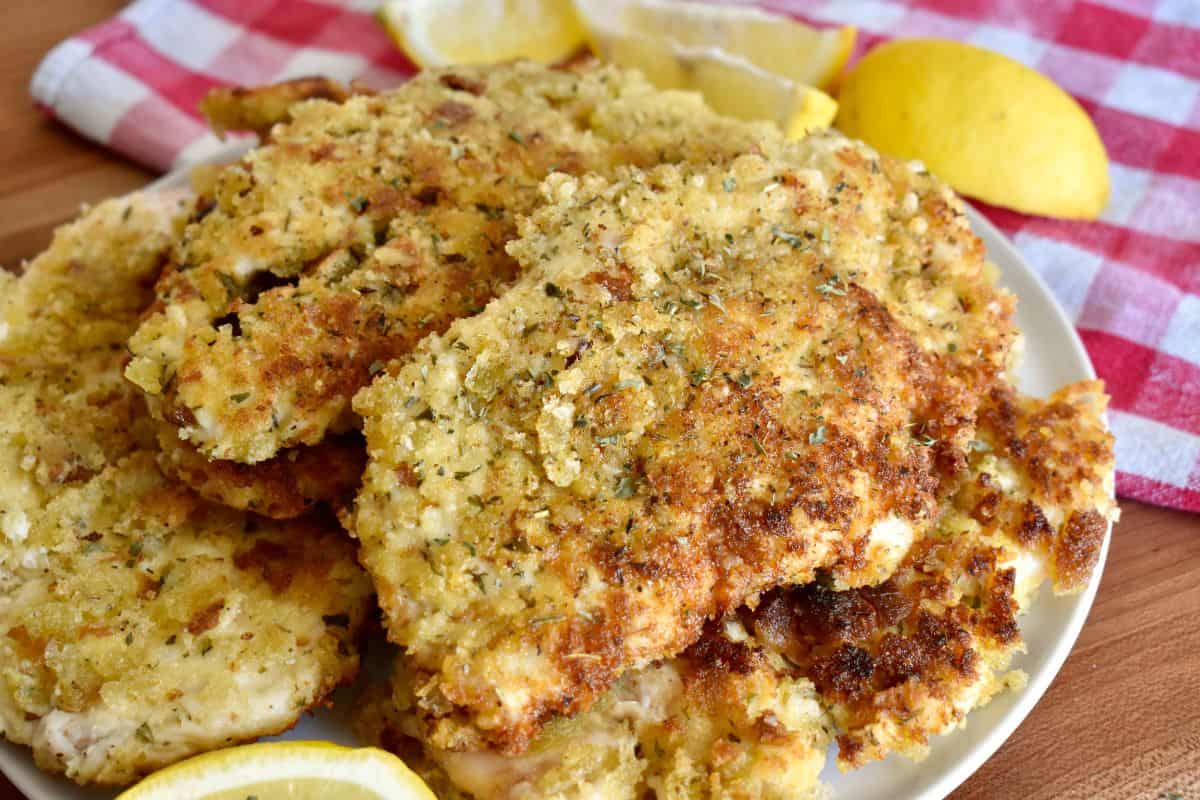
{"points": [[438, 33], [988, 125], [291, 770]]}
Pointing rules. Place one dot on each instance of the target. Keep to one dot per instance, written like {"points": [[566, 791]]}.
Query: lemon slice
{"points": [[291, 770], [436, 33], [773, 43], [989, 126], [730, 85]]}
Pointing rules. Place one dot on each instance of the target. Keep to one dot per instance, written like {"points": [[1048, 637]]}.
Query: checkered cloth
{"points": [[1130, 282]]}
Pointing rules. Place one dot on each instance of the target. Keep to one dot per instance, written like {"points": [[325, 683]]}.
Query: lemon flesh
{"points": [[989, 126], [773, 43], [313, 789], [435, 33], [285, 771], [729, 85]]}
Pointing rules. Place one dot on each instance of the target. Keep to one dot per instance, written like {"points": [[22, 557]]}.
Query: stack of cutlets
{"points": [[672, 449]]}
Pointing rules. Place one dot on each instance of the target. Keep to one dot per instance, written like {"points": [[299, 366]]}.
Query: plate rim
{"points": [[16, 761]]}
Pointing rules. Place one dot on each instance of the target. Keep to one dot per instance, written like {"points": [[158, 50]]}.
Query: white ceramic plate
{"points": [[1053, 356]]}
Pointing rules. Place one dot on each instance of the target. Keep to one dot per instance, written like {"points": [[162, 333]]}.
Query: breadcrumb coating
{"points": [[908, 659], [366, 224], [139, 624], [709, 381], [723, 720], [749, 709]]}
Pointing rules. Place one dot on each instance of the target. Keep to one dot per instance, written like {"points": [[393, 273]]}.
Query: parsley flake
{"points": [[232, 289], [831, 286], [817, 436], [795, 240]]}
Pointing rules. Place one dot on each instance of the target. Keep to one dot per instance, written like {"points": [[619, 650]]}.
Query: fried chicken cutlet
{"points": [[898, 663], [698, 390], [139, 624], [747, 711], [365, 225], [724, 719]]}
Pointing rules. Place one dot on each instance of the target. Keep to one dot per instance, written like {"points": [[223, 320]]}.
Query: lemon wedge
{"points": [[730, 85], [773, 43], [989, 126], [746, 63], [291, 770], [437, 33]]}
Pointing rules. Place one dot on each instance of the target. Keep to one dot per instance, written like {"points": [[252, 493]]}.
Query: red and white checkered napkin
{"points": [[1130, 282]]}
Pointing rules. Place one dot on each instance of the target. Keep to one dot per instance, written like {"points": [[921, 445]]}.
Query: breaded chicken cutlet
{"points": [[747, 711], [908, 659], [725, 719], [708, 382], [139, 624], [364, 225]]}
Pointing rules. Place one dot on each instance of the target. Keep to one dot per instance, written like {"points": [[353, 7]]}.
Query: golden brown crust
{"points": [[138, 623], [363, 227], [705, 384], [910, 658], [905, 660], [898, 657], [260, 108], [172, 627], [283, 487], [66, 412], [723, 719], [1056, 460], [1077, 550]]}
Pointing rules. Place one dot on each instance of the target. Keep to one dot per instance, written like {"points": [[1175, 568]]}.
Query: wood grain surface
{"points": [[1122, 719]]}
